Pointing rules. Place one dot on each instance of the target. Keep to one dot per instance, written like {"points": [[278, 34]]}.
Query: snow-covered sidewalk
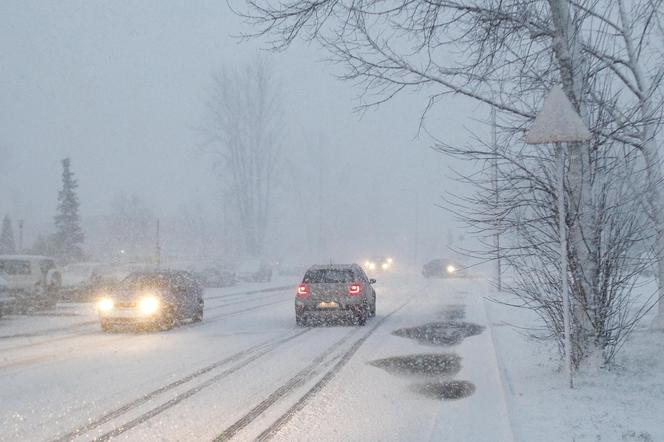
{"points": [[623, 404]]}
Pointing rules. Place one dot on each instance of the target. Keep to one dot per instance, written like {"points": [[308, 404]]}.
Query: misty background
{"points": [[120, 88]]}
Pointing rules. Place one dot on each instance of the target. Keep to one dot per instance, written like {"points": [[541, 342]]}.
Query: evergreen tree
{"points": [[7, 244], [68, 232]]}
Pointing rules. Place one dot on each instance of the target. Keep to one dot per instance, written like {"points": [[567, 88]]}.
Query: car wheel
{"points": [[373, 308], [167, 319], [362, 314], [300, 320], [106, 326], [198, 315]]}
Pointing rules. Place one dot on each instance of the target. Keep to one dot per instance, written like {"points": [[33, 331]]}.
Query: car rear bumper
{"points": [[328, 306]]}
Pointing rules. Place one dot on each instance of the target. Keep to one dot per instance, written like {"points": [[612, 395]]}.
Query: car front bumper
{"points": [[127, 316]]}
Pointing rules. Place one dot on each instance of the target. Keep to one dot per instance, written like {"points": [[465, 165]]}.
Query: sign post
{"points": [[559, 123]]}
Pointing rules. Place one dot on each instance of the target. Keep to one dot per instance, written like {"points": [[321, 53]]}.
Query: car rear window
{"points": [[328, 276]]}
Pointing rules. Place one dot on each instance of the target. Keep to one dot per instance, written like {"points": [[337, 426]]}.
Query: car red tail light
{"points": [[355, 288], [302, 291]]}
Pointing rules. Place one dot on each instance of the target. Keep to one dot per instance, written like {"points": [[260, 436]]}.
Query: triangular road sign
{"points": [[558, 121]]}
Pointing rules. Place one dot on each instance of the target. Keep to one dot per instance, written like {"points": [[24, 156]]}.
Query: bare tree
{"points": [[507, 54], [243, 134]]}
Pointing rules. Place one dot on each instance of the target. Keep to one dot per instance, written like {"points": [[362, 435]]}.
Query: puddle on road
{"points": [[440, 333], [429, 364], [445, 390]]}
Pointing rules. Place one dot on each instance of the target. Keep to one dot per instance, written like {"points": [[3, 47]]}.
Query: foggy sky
{"points": [[120, 88]]}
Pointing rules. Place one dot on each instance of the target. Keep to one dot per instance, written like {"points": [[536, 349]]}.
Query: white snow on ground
{"points": [[248, 372], [621, 404]]}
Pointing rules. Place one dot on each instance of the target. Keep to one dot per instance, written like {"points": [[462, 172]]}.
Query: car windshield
{"points": [[147, 280], [328, 276]]}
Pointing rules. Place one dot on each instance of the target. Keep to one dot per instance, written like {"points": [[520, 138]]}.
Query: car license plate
{"points": [[124, 313], [331, 304]]}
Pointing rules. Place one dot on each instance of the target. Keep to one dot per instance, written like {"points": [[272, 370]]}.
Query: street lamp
{"points": [[559, 123]]}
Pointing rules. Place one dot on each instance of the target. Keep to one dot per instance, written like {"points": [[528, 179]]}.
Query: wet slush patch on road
{"points": [[449, 390], [428, 364], [454, 312], [445, 333]]}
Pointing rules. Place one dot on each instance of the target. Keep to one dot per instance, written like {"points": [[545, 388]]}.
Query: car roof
{"points": [[333, 267]]}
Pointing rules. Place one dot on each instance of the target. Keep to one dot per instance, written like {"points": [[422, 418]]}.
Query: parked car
{"points": [[6, 300], [152, 299], [335, 289], [378, 264], [254, 270], [443, 268], [34, 281], [214, 278]]}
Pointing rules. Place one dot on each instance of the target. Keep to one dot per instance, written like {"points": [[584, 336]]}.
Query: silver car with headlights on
{"points": [[155, 300], [335, 289]]}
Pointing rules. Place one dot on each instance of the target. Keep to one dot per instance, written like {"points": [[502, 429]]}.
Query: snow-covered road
{"points": [[247, 372]]}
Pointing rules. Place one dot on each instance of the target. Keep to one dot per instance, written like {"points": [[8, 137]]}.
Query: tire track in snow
{"points": [[45, 332], [300, 379], [243, 301], [254, 353]]}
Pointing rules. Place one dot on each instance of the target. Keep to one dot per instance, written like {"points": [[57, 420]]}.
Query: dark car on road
{"points": [[152, 299], [443, 268], [335, 289]]}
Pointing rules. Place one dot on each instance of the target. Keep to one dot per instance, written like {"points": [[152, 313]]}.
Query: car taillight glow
{"points": [[355, 289], [302, 291]]}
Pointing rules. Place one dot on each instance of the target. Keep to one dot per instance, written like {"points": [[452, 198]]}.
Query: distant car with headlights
{"points": [[443, 268], [152, 299], [335, 289], [378, 264]]}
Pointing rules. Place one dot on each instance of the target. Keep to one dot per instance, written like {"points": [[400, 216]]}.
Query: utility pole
{"points": [[20, 236], [158, 248], [494, 145], [417, 225]]}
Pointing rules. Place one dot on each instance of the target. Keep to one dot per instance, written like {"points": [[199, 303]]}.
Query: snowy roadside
{"points": [[621, 404]]}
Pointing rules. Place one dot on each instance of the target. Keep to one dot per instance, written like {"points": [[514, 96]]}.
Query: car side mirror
{"points": [[372, 281]]}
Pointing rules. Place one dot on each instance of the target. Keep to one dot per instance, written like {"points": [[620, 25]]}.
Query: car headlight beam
{"points": [[105, 305], [148, 305], [451, 269]]}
